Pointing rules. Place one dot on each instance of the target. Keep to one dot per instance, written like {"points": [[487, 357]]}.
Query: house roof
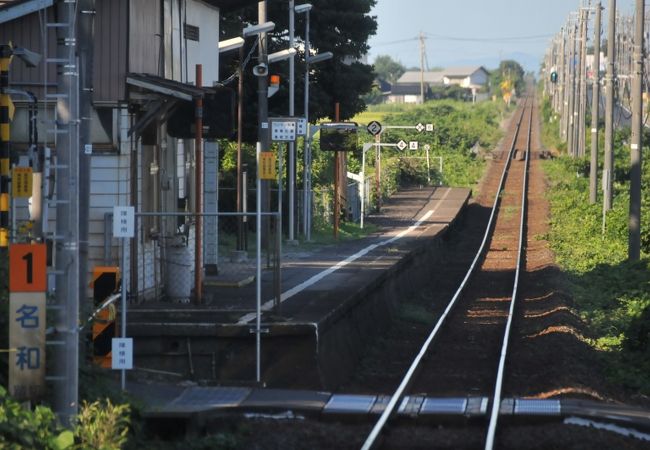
{"points": [[463, 71], [413, 76]]}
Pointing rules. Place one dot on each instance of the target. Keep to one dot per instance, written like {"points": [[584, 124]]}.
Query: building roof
{"points": [[10, 10], [413, 76], [171, 88], [463, 71]]}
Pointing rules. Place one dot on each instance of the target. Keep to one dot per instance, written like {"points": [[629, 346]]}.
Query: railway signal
{"points": [[374, 128]]}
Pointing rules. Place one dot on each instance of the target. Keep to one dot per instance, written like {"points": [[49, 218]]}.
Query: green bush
{"points": [[21, 428], [460, 130], [611, 293], [102, 425], [99, 426]]}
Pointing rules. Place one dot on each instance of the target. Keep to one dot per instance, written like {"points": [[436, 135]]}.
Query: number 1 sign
{"points": [[27, 285], [27, 268]]}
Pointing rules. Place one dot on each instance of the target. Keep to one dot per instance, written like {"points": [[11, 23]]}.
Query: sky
{"points": [[498, 29]]}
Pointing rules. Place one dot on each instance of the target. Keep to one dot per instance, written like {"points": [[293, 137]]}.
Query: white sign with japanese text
{"points": [[283, 130], [27, 345], [122, 351], [123, 221]]}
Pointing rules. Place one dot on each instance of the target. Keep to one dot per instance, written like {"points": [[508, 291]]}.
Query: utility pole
{"points": [[292, 100], [66, 128], [634, 224], [422, 66], [582, 107], [572, 92], [595, 103], [198, 201], [86, 39], [557, 89], [609, 108], [563, 74], [263, 113], [241, 190]]}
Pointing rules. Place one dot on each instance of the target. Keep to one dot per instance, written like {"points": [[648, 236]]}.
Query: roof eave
{"points": [[20, 8]]}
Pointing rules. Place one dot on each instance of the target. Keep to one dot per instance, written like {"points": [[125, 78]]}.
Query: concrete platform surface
{"points": [[335, 300], [316, 280]]}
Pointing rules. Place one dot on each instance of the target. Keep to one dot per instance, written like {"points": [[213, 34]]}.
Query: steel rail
{"points": [[498, 388], [373, 437]]}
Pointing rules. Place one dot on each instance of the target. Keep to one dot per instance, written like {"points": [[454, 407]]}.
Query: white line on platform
{"points": [[319, 276]]}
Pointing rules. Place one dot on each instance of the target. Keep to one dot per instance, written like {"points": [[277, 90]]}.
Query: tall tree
{"points": [[388, 69], [508, 70], [339, 26]]}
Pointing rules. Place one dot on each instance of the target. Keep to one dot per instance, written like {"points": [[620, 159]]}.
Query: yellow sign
{"points": [[27, 344], [267, 168], [21, 182]]}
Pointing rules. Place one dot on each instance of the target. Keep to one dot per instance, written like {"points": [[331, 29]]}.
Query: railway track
{"points": [[465, 354]]}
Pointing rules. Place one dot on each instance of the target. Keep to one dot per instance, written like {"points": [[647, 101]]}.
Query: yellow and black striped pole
{"points": [[6, 54]]}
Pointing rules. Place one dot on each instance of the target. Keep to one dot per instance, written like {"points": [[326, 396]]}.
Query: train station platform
{"points": [[334, 300]]}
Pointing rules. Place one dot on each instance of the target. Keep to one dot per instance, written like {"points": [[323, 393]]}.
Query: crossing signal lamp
{"points": [[274, 85]]}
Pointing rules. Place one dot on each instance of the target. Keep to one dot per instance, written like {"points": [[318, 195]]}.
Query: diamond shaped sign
{"points": [[420, 127], [374, 128], [402, 145]]}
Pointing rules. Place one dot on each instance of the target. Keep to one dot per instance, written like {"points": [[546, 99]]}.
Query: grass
{"points": [[610, 293]]}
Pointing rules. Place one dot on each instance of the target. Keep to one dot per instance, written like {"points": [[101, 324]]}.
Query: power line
{"points": [[401, 41], [441, 37], [489, 39]]}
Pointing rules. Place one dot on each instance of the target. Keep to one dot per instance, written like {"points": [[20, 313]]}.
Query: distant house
{"points": [[473, 77], [408, 93], [415, 76], [408, 88]]}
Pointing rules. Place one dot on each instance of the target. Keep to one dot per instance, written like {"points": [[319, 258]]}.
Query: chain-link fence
{"points": [[162, 257]]}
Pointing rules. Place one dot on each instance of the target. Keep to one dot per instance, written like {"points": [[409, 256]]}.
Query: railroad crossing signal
{"points": [[106, 281], [374, 128], [402, 145]]}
